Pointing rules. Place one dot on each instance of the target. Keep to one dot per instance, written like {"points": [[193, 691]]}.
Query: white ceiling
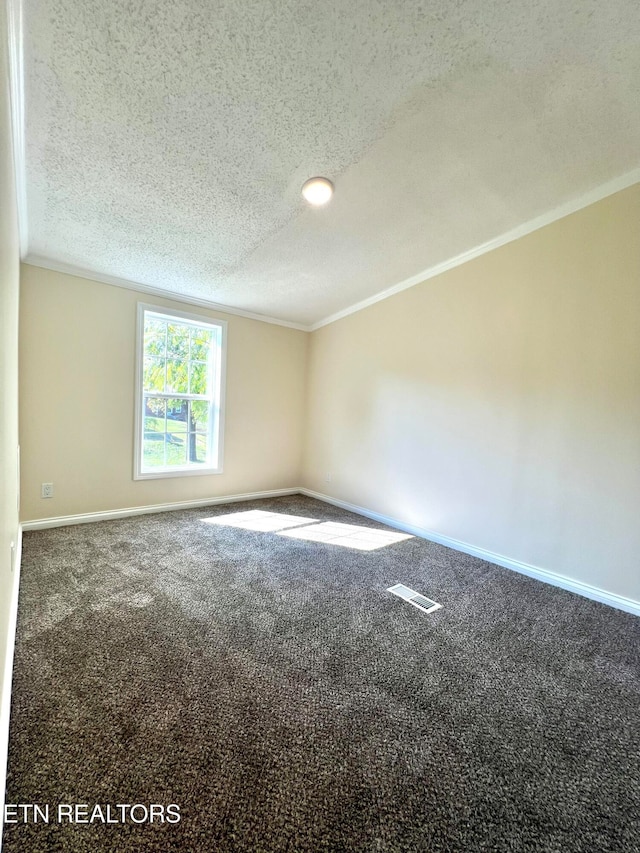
{"points": [[167, 140]]}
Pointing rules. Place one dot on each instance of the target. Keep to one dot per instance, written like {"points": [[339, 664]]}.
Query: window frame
{"points": [[219, 377]]}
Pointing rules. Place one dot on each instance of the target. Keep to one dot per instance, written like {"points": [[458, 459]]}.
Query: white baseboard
{"points": [[7, 675], [111, 514], [620, 602], [593, 592]]}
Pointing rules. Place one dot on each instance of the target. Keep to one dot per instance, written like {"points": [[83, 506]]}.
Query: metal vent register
{"points": [[420, 601]]}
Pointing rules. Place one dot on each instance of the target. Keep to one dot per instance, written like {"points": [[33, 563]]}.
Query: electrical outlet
{"points": [[47, 490], [328, 477]]}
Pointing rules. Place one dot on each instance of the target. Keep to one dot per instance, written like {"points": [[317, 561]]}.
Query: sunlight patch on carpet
{"points": [[259, 520], [347, 535]]}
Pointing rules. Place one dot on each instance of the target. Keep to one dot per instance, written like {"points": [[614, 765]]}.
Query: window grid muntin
{"points": [[171, 356], [214, 365]]}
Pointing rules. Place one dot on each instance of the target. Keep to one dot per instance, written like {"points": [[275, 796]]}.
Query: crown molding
{"points": [[70, 269], [597, 194], [16, 100]]}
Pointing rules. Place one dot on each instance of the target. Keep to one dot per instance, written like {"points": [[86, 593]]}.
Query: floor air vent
{"points": [[420, 601]]}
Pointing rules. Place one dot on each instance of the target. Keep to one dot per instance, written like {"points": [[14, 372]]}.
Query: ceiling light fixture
{"points": [[317, 191]]}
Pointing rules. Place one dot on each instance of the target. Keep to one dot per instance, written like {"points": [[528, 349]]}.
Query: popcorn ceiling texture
{"points": [[167, 141]]}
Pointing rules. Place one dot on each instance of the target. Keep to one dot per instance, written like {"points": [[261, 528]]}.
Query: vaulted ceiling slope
{"points": [[167, 140]]}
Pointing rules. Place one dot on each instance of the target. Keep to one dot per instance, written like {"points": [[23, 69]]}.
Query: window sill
{"points": [[175, 472]]}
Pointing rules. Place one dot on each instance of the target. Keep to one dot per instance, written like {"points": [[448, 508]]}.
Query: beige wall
{"points": [[499, 403], [9, 279], [77, 353]]}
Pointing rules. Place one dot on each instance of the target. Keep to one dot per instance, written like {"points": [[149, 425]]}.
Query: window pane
{"points": [[197, 448], [155, 333], [177, 416], [153, 452], [177, 341], [176, 449], [153, 374], [201, 340], [153, 445], [199, 416], [199, 377], [177, 377], [154, 414]]}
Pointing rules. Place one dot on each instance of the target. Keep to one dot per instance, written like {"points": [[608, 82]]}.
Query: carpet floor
{"points": [[272, 689]]}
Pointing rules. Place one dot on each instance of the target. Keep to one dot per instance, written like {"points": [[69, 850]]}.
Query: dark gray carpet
{"points": [[277, 693]]}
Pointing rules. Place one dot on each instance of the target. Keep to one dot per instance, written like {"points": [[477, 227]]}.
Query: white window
{"points": [[180, 387]]}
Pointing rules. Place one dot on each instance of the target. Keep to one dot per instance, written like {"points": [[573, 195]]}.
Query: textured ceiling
{"points": [[167, 140]]}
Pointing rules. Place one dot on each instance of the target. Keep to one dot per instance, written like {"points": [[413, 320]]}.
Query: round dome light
{"points": [[317, 191]]}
